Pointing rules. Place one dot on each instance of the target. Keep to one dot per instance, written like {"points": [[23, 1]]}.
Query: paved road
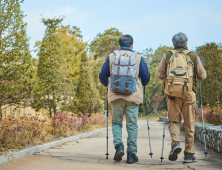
{"points": [[90, 154]]}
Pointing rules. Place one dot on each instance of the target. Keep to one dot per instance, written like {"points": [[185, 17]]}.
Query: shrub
{"points": [[17, 133], [100, 119], [211, 115]]}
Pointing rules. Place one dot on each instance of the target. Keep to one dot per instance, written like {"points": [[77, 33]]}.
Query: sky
{"points": [[150, 22]]}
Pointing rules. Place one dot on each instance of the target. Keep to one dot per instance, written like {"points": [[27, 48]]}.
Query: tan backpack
{"points": [[179, 75]]}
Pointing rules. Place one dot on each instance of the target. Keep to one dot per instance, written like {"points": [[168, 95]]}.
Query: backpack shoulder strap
{"points": [[174, 52], [116, 52], [186, 52], [133, 54], [168, 56]]}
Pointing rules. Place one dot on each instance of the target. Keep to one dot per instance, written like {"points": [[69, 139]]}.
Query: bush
{"points": [[211, 115], [100, 119], [17, 133]]}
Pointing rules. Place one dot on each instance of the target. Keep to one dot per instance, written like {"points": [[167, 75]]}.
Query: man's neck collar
{"points": [[126, 48], [181, 47]]}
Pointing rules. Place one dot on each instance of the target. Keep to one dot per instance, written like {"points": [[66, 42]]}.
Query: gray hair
{"points": [[179, 39]]}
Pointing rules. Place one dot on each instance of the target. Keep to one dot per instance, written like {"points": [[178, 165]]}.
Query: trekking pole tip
{"points": [[106, 155], [206, 153], [151, 154], [161, 159]]}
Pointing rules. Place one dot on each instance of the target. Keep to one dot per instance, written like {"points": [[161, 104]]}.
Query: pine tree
{"points": [[16, 72], [72, 47], [211, 87], [50, 74], [87, 99]]}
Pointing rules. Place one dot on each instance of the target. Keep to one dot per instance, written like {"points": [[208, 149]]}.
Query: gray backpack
{"points": [[123, 77]]}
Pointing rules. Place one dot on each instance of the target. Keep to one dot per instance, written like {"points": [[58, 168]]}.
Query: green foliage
{"points": [[105, 43], [72, 46], [87, 99], [101, 47], [142, 109], [16, 73], [153, 61], [64, 73], [211, 87], [50, 75]]}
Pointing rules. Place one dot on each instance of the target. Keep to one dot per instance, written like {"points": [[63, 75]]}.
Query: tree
{"points": [[211, 87], [16, 73], [102, 45], [87, 99], [105, 43], [50, 74], [72, 47], [153, 60]]}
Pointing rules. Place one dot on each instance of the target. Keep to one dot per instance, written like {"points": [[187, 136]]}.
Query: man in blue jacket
{"points": [[125, 103]]}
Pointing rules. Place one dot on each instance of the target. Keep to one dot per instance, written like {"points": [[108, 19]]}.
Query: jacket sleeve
{"points": [[144, 73], [201, 72], [161, 72], [105, 73]]}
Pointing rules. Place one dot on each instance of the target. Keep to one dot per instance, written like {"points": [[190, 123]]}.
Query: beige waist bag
{"points": [[179, 76]]}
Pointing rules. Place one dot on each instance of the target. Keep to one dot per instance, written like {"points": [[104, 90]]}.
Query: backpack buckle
{"points": [[185, 89], [116, 88], [126, 54], [127, 84], [171, 86]]}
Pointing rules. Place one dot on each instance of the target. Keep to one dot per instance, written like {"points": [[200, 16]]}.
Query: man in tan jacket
{"points": [[178, 106], [125, 103]]}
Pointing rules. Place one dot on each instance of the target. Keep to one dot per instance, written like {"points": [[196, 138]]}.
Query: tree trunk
{"points": [[0, 107], [0, 20], [54, 104], [49, 105]]}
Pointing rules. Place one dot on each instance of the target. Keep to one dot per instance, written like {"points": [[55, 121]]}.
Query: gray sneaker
{"points": [[176, 149], [188, 158]]}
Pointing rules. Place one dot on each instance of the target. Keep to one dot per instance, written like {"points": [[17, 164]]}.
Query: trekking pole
{"points": [[107, 121], [202, 119], [148, 122], [164, 129]]}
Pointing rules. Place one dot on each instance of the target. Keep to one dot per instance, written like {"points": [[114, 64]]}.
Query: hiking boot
{"points": [[119, 152], [131, 158], [188, 158], [176, 149]]}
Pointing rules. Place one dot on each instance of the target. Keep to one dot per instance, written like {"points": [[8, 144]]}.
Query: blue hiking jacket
{"points": [[143, 71]]}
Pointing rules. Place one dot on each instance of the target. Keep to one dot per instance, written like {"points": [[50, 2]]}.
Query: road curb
{"points": [[161, 118], [31, 150]]}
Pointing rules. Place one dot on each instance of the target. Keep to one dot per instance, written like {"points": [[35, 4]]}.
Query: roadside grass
{"points": [[212, 115], [19, 133]]}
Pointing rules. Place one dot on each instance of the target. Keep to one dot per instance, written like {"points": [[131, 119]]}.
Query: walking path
{"points": [[89, 154]]}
